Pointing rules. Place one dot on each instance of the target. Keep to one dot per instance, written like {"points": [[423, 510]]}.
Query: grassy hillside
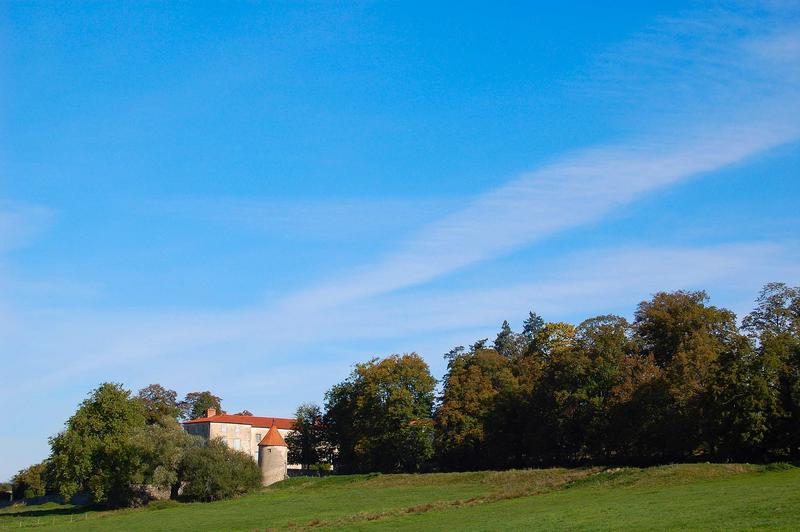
{"points": [[704, 496]]}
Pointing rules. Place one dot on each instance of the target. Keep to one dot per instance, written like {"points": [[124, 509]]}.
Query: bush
{"points": [[30, 482], [214, 471], [163, 505]]}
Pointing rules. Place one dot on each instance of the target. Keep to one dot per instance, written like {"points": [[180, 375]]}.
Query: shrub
{"points": [[163, 505], [30, 482], [214, 471]]}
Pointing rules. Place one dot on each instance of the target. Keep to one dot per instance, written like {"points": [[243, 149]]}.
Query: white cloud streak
{"points": [[586, 282], [746, 70], [579, 190], [332, 219], [20, 223]]}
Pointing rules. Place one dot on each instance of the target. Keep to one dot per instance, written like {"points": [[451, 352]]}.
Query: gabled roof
{"points": [[255, 421], [273, 438]]}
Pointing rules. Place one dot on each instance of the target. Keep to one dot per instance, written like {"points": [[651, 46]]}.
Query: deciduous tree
{"points": [[94, 453], [195, 404], [380, 418], [308, 443], [472, 383], [159, 402]]}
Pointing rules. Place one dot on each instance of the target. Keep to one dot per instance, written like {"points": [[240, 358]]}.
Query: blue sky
{"points": [[249, 198]]}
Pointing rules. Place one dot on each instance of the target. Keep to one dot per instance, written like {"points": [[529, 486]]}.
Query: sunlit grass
{"points": [[711, 496]]}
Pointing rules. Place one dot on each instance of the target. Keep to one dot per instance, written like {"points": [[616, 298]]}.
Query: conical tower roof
{"points": [[272, 438]]}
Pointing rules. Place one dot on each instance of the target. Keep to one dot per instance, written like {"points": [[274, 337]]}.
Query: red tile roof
{"points": [[255, 421], [273, 437]]}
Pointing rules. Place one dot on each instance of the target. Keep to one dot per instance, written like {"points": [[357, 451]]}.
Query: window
{"points": [[258, 437], [236, 430], [237, 444]]}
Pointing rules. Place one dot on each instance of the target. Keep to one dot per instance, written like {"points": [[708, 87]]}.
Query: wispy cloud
{"points": [[581, 283], [578, 190], [331, 219], [748, 74], [21, 222], [701, 65]]}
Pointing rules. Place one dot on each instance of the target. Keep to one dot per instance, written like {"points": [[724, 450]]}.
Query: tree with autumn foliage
{"points": [[473, 381], [682, 382]]}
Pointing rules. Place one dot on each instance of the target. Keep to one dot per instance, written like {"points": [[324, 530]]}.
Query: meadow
{"points": [[683, 496]]}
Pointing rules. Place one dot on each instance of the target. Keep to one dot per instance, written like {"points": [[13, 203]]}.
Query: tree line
{"points": [[683, 382]]}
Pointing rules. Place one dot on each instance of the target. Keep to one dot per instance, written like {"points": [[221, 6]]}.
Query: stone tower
{"points": [[272, 457]]}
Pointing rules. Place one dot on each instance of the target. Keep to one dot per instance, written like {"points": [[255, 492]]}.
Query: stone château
{"points": [[260, 437]]}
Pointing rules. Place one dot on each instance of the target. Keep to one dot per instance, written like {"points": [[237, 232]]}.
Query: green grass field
{"points": [[697, 496]]}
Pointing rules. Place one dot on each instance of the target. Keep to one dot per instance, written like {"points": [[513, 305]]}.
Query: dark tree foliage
{"points": [[777, 312], [307, 443], [159, 403], [244, 413], [508, 343], [533, 325], [682, 382], [473, 381], [195, 404], [480, 344], [380, 418], [775, 326]]}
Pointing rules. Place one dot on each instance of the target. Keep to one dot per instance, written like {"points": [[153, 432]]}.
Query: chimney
{"points": [[211, 412]]}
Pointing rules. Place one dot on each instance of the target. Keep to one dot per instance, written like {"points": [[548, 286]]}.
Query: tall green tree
{"points": [[775, 327], [94, 453], [743, 410], [531, 328], [508, 343], [307, 442], [380, 418], [777, 312]]}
